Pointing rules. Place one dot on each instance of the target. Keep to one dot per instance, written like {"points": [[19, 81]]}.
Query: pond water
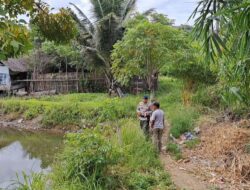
{"points": [[26, 151]]}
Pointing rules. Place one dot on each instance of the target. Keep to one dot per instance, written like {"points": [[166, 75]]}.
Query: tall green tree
{"points": [[99, 34], [144, 50]]}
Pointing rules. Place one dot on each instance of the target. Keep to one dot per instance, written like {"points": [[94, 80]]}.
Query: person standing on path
{"points": [[143, 113], [157, 124]]}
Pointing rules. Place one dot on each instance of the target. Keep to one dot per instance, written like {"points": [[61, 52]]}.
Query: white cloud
{"points": [[179, 10]]}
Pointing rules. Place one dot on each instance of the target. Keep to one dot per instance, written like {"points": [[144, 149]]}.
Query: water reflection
{"points": [[25, 151]]}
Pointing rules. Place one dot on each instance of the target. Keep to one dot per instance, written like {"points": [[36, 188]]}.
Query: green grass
{"points": [[35, 182], [71, 109], [174, 150], [107, 157], [181, 118], [110, 158]]}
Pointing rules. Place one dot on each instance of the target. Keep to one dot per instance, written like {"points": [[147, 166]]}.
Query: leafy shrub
{"points": [[87, 156], [209, 96], [105, 158]]}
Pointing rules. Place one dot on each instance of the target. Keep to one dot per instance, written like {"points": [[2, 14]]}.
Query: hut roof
{"points": [[17, 65]]}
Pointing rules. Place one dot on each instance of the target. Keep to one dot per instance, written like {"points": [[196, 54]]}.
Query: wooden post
{"points": [[67, 81]]}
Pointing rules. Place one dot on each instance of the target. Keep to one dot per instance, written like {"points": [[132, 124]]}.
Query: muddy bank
{"points": [[12, 121]]}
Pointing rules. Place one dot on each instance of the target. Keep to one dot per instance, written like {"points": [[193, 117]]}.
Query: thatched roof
{"points": [[17, 65]]}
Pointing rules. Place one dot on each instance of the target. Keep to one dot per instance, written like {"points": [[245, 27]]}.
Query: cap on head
{"points": [[145, 97]]}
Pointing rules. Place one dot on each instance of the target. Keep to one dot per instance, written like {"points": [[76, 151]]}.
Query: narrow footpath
{"points": [[182, 178]]}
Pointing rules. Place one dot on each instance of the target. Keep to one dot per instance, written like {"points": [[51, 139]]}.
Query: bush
{"points": [[87, 157], [209, 96], [110, 158]]}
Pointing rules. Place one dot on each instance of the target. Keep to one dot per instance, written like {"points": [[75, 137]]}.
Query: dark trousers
{"points": [[157, 139], [145, 127]]}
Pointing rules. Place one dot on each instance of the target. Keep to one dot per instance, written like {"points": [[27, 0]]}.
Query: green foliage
{"points": [[33, 112], [87, 155], [208, 96], [143, 51], [182, 120], [72, 109], [223, 28], [14, 36], [35, 182], [58, 27], [190, 65], [12, 9], [14, 39], [98, 38], [105, 159], [174, 150]]}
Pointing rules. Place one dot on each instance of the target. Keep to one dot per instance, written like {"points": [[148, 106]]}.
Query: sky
{"points": [[179, 10]]}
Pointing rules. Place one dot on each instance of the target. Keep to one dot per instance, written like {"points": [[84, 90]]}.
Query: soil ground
{"points": [[219, 162]]}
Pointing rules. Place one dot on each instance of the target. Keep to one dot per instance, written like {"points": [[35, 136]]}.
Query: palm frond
{"points": [[98, 8], [108, 33], [128, 6], [149, 12], [85, 20]]}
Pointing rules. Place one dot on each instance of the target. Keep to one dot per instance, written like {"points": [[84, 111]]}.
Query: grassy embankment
{"points": [[115, 154], [85, 110]]}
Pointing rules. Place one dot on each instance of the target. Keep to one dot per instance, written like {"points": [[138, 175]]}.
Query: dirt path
{"points": [[180, 176], [213, 164]]}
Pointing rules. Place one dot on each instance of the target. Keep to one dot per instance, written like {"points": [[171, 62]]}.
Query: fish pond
{"points": [[26, 152]]}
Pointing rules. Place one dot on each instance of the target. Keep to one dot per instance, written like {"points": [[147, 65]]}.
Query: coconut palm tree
{"points": [[100, 33]]}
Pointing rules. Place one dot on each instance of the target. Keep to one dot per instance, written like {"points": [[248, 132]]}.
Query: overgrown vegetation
{"points": [[115, 154], [106, 158], [223, 28], [75, 109]]}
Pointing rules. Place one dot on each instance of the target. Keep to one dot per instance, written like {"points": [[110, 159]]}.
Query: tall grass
{"points": [[33, 182], [181, 118], [110, 158], [71, 109]]}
